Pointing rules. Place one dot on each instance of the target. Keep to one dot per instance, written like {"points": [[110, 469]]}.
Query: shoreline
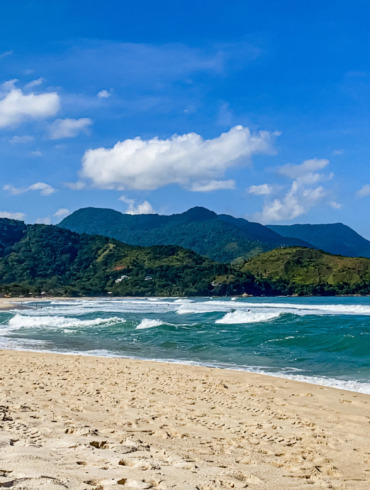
{"points": [[323, 382], [351, 386], [79, 419], [8, 303]]}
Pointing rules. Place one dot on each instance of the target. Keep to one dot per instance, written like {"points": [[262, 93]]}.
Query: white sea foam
{"points": [[329, 382], [315, 309], [260, 306], [184, 306], [25, 321], [236, 317], [147, 323], [83, 307], [23, 344]]}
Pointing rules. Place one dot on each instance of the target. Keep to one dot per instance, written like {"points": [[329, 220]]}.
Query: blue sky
{"points": [[257, 109]]}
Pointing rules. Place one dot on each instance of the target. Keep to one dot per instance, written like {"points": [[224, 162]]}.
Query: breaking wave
{"points": [[25, 321], [147, 323], [236, 317]]}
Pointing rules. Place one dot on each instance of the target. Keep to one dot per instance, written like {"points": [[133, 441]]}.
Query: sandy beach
{"points": [[98, 423], [10, 303]]}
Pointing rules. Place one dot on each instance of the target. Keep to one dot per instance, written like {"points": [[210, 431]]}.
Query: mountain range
{"points": [[220, 237], [335, 238], [37, 258]]}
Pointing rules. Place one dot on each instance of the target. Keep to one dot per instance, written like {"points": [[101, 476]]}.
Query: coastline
{"points": [[88, 422], [6, 304], [10, 303]]}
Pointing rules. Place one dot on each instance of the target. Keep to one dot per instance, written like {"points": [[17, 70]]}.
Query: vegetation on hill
{"points": [[37, 258], [335, 238], [219, 237], [307, 271]]}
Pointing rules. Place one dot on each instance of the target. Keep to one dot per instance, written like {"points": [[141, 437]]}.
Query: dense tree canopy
{"points": [[37, 258]]}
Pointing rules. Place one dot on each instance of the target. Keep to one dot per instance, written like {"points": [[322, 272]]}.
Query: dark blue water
{"points": [[322, 340]]}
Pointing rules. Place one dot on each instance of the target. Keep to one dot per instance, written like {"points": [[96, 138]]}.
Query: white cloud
{"points": [[61, 213], [304, 169], [6, 53], [69, 128], [187, 160], [35, 83], [141, 208], [18, 216], [8, 85], [16, 107], [15, 140], [302, 195], [75, 186], [43, 221], [45, 189], [104, 94], [364, 191], [296, 202], [213, 185], [36, 153], [261, 190], [335, 205]]}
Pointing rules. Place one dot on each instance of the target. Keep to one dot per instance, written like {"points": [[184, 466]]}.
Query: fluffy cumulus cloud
{"points": [[303, 193], [187, 160], [141, 208], [62, 213], [364, 191], [17, 107], [44, 189], [69, 128], [18, 216], [261, 190], [296, 202]]}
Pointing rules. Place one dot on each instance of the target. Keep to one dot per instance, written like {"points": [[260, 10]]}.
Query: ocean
{"points": [[318, 340]]}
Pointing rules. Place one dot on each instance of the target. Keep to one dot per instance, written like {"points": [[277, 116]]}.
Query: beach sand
{"points": [[97, 423], [11, 303]]}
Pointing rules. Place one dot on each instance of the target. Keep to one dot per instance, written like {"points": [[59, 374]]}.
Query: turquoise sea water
{"points": [[321, 340]]}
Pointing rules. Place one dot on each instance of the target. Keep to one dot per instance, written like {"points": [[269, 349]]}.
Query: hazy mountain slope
{"points": [[334, 238], [222, 238]]}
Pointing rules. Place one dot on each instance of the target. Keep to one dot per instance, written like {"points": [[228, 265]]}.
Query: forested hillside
{"points": [[219, 237], [49, 259], [308, 271], [36, 258]]}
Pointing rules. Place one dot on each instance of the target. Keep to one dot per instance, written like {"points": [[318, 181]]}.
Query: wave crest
{"points": [[24, 321], [147, 323], [236, 317]]}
